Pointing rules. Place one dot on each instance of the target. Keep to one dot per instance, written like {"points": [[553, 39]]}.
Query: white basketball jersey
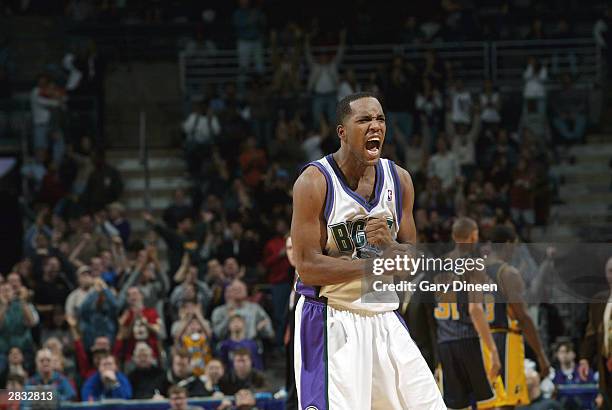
{"points": [[346, 213]]}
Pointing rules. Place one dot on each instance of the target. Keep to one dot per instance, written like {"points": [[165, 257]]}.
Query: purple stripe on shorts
{"points": [[401, 319], [313, 340]]}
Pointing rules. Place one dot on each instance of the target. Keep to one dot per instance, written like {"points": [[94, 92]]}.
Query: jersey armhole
{"points": [[329, 194]]}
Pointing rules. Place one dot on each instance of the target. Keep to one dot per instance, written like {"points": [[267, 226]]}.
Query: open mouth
{"points": [[373, 146]]}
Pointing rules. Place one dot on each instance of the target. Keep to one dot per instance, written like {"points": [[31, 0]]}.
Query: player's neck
{"points": [[352, 169]]}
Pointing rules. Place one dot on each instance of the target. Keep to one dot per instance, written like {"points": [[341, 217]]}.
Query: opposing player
{"points": [[348, 206], [510, 321], [462, 328]]}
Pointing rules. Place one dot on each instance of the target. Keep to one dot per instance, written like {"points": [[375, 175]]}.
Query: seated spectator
{"points": [[180, 374], [68, 365], [15, 382], [85, 242], [178, 399], [106, 383], [137, 324], [536, 398], [569, 106], [244, 400], [194, 335], [258, 324], [100, 348], [567, 373], [237, 340], [116, 215], [242, 374], [15, 365], [17, 318], [146, 378], [46, 377], [98, 314], [212, 377]]}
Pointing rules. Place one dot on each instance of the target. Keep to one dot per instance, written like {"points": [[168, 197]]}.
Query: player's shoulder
{"points": [[311, 180]]}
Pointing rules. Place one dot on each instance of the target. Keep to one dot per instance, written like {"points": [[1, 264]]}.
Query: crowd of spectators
{"points": [[97, 313]]}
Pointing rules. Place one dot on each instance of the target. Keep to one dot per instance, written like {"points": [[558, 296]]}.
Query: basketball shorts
{"points": [[512, 356], [464, 375], [347, 360]]}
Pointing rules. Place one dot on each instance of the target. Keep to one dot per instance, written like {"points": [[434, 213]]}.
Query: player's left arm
{"points": [[377, 231]]}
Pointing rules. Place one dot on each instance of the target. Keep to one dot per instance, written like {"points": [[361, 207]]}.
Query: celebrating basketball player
{"points": [[349, 206]]}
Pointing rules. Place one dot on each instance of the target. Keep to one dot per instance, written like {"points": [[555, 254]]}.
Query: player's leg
{"points": [[310, 354], [456, 388], [413, 383], [349, 347]]}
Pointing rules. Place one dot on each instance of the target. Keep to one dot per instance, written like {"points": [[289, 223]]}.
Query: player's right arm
{"points": [[481, 325], [514, 288], [309, 234]]}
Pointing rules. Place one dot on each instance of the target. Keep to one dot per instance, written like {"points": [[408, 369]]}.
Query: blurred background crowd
{"points": [[102, 299]]}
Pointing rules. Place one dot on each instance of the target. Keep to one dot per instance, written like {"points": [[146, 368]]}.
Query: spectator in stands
{"points": [[146, 378], [106, 383], [17, 318], [15, 382], [201, 129], [236, 250], [534, 91], [180, 205], [277, 265], [242, 374], [85, 242], [76, 298], [98, 313], [249, 23], [50, 291], [461, 105], [34, 170], [147, 275], [104, 184], [463, 142], [258, 324], [566, 373], [237, 340], [14, 366], [187, 275], [180, 374], [429, 106], [193, 334], [100, 348], [348, 84], [46, 377], [399, 99], [178, 399], [116, 216], [536, 398], [569, 112], [244, 400], [43, 100], [137, 324], [252, 163], [564, 31], [444, 165], [521, 198], [323, 80], [490, 106], [212, 378], [186, 237], [56, 347]]}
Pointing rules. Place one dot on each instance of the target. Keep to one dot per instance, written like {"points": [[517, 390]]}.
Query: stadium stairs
{"points": [[586, 192]]}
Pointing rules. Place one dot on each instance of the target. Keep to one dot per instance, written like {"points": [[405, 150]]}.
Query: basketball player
{"points": [[461, 322], [349, 206], [510, 321]]}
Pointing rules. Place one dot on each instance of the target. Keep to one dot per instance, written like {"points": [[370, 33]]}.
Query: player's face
{"points": [[363, 132]]}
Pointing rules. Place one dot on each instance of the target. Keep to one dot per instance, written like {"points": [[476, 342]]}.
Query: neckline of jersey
{"points": [[378, 183]]}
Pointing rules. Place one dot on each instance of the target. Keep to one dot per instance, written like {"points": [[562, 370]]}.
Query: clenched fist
{"points": [[378, 233]]}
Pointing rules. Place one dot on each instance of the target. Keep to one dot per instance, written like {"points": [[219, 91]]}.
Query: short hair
{"points": [[15, 378], [343, 108], [502, 234], [242, 352], [567, 343], [177, 390], [463, 227], [237, 316], [181, 352]]}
